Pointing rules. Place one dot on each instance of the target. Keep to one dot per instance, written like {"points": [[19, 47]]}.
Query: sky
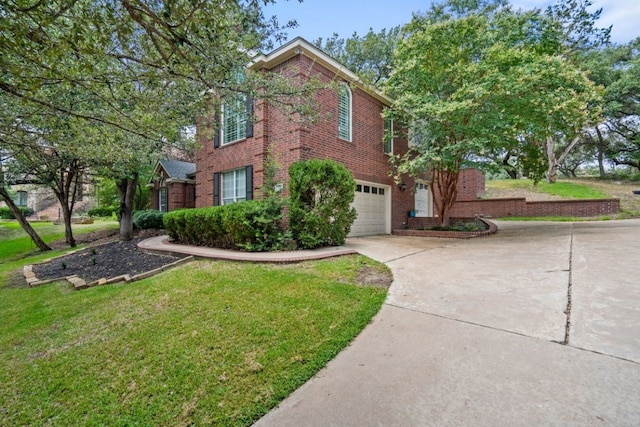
{"points": [[322, 18]]}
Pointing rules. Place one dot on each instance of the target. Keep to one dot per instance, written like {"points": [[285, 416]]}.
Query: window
{"points": [[162, 200], [421, 199], [388, 135], [234, 120], [234, 186], [162, 196], [344, 112], [21, 198]]}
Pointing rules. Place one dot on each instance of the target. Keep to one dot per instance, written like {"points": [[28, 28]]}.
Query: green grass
{"points": [[208, 343], [15, 243], [548, 218], [564, 189]]}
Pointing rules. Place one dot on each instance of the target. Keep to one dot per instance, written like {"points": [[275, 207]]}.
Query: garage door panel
{"points": [[370, 204]]}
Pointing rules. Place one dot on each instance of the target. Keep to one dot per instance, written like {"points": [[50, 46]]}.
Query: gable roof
{"points": [[299, 46], [177, 169]]}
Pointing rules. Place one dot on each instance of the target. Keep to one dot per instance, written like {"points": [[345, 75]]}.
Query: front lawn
{"points": [[564, 189], [208, 343], [15, 243]]}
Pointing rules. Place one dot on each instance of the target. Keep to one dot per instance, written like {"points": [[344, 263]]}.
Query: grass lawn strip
{"points": [[210, 343]]}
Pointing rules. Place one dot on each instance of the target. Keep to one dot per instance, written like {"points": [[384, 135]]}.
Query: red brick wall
{"points": [[520, 207], [292, 140], [179, 194]]}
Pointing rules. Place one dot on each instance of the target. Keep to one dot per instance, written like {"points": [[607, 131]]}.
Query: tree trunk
{"points": [[126, 191], [446, 182], [37, 240], [600, 153], [68, 179], [552, 170], [554, 162], [508, 168]]}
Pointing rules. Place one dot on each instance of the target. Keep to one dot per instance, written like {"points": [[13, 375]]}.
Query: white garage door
{"points": [[371, 204]]}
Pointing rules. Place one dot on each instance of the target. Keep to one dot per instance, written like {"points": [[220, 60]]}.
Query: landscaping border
{"points": [[491, 229]]}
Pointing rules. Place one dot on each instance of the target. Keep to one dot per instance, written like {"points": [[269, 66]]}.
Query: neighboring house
{"points": [[43, 203], [349, 129], [173, 185]]}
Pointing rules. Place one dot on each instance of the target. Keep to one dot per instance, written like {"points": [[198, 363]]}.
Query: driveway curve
{"points": [[538, 324]]}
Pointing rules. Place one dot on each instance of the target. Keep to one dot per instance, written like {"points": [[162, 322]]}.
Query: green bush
{"points": [[253, 225], [320, 212], [148, 219], [103, 211], [5, 213]]}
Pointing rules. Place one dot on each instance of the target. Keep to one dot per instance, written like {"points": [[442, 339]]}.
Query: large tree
{"points": [[145, 68], [475, 76], [369, 56]]}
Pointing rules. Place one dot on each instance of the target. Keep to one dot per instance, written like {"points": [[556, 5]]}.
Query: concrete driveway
{"points": [[536, 325]]}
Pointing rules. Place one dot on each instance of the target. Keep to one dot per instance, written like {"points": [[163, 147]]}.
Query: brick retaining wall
{"points": [[521, 207]]}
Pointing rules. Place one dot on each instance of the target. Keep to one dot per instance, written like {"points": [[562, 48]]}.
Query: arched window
{"points": [[344, 112]]}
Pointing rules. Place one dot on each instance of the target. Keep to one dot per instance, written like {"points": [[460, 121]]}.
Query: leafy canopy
{"points": [[476, 76]]}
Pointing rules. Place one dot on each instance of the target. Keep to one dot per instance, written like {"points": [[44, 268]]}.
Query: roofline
{"points": [[299, 46]]}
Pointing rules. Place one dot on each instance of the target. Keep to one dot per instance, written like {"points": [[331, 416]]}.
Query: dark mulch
{"points": [[107, 260]]}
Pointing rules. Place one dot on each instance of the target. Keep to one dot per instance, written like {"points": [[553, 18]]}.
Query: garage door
{"points": [[370, 202]]}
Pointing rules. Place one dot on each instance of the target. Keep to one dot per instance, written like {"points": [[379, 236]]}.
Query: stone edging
{"points": [[492, 228], [79, 283]]}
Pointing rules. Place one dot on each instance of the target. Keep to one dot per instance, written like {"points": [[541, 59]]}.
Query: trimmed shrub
{"points": [[253, 225], [148, 219], [320, 212], [5, 213], [103, 211]]}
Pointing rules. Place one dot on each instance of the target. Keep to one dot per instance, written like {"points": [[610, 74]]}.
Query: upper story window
{"points": [[234, 120], [344, 112], [388, 135], [235, 117]]}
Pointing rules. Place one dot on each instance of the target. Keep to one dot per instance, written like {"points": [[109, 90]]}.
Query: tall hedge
{"points": [[320, 212], [253, 225]]}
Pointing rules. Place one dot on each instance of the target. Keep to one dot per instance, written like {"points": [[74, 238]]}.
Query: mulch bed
{"points": [[107, 260]]}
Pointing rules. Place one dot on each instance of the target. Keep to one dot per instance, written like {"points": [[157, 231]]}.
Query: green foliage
{"points": [[478, 78], [320, 212], [103, 211], [369, 56], [148, 219], [5, 213], [252, 225]]}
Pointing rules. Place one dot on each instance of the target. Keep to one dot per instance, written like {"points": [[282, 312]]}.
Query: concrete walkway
{"points": [[161, 245], [536, 325]]}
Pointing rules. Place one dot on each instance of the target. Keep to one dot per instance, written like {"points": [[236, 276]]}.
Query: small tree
{"points": [[475, 77], [320, 212]]}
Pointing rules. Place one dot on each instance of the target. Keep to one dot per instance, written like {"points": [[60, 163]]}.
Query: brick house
{"points": [[173, 185], [350, 129]]}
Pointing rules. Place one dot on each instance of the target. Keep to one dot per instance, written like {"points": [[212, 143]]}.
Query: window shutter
{"points": [[344, 113], [216, 189], [216, 129], [249, 181], [249, 117]]}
